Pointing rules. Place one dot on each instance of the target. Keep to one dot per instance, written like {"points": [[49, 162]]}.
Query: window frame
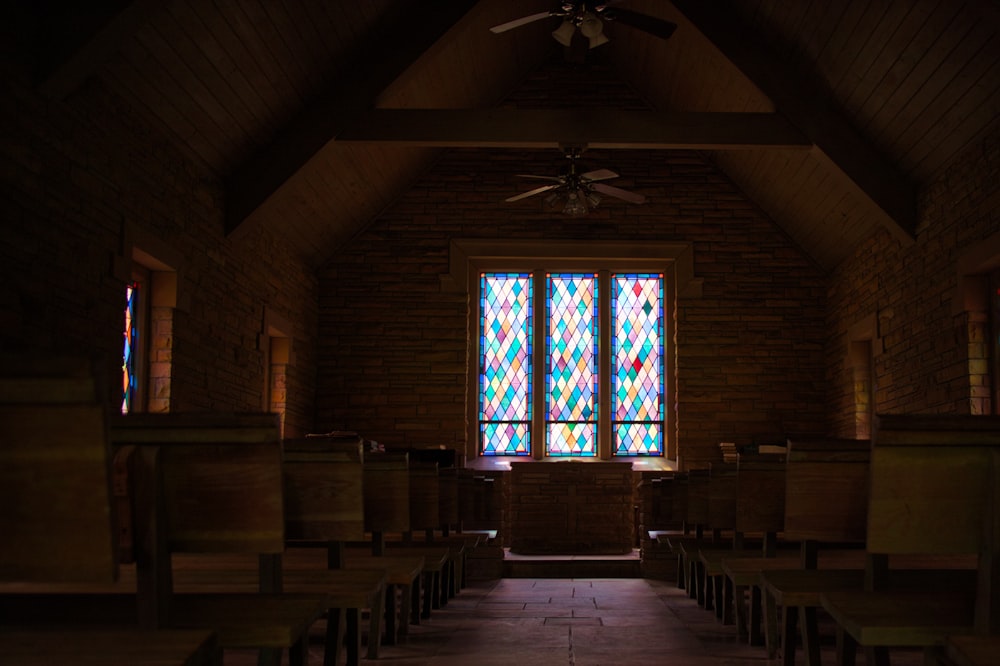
{"points": [[469, 258]]}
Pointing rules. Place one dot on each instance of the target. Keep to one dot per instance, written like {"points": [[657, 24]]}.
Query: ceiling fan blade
{"points": [[531, 193], [517, 23], [655, 26], [618, 192], [598, 174], [555, 179]]}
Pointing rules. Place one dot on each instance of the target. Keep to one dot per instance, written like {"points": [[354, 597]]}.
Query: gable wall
{"points": [[922, 363]]}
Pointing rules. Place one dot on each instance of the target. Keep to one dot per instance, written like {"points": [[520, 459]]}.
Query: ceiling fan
{"points": [[588, 16], [578, 193]]}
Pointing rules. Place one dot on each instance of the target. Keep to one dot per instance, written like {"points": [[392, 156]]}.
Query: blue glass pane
{"points": [[131, 336], [637, 372], [572, 365]]}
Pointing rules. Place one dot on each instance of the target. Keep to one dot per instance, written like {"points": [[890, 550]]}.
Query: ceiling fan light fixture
{"points": [[593, 199], [576, 205], [564, 33]]}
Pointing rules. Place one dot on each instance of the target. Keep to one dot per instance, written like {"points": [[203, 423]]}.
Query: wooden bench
{"points": [[745, 498], [826, 501], [58, 530], [933, 491], [387, 499], [324, 489]]}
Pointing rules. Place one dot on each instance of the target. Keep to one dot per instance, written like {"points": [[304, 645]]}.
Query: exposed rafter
{"points": [[808, 108], [381, 61], [593, 127]]}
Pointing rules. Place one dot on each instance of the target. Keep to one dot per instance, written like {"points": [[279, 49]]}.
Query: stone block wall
{"points": [[571, 507]]}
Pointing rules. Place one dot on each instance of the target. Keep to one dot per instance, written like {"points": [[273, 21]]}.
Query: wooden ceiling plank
{"points": [[234, 52], [69, 75], [921, 82], [244, 21], [874, 58], [198, 36], [970, 116], [594, 127], [320, 121], [808, 108], [212, 116], [965, 69], [876, 82], [854, 25], [295, 44]]}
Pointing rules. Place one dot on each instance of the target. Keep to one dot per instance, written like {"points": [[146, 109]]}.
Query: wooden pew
{"points": [[752, 512], [760, 510], [826, 504], [387, 500], [58, 529], [933, 491], [324, 492], [692, 504]]}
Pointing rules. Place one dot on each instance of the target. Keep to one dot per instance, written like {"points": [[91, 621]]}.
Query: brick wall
{"points": [[83, 177], [571, 507], [930, 359], [393, 344]]}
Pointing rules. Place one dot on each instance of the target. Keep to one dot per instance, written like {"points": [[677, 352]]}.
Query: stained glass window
{"points": [[131, 337], [505, 364], [637, 364], [572, 365]]}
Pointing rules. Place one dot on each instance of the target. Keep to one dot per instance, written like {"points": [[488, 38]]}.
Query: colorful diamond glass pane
{"points": [[130, 335], [638, 439], [572, 365], [572, 439], [637, 350], [505, 364]]}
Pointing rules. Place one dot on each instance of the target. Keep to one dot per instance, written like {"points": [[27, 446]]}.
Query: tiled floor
{"points": [[575, 622]]}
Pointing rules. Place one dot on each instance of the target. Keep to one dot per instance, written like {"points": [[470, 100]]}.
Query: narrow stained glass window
{"points": [[637, 372], [131, 337], [571, 421], [505, 364]]}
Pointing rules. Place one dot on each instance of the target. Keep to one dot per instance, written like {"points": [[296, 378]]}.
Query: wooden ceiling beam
{"points": [[379, 62], [809, 108], [592, 127]]}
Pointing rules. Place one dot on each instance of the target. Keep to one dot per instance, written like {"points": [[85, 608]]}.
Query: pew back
{"points": [[930, 484], [324, 490], [827, 490], [760, 496], [387, 492], [55, 488], [221, 478]]}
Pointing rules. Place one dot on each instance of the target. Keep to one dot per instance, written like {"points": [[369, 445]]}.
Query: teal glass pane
{"points": [[505, 364], [131, 337], [572, 365], [637, 357]]}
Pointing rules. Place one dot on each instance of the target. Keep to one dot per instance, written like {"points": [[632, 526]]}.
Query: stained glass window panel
{"points": [[572, 365], [131, 337], [505, 364], [637, 373]]}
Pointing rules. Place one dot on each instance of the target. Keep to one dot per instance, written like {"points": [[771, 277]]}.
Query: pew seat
{"points": [[402, 579], [914, 618], [241, 621], [965, 651], [98, 647]]}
